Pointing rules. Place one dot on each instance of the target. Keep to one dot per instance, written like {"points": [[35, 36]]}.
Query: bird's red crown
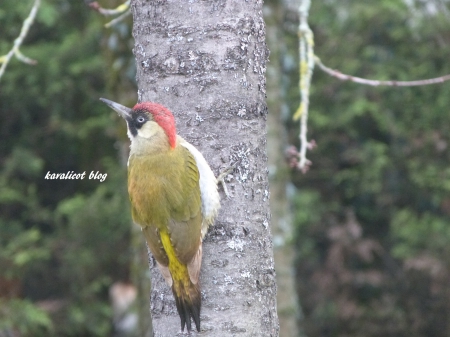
{"points": [[163, 117]]}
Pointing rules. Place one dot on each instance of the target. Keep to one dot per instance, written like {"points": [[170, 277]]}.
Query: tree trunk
{"points": [[281, 224], [205, 61]]}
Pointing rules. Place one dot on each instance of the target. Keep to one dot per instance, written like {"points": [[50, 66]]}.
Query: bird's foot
{"points": [[221, 179]]}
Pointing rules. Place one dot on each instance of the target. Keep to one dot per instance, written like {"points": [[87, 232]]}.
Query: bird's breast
{"points": [[148, 184]]}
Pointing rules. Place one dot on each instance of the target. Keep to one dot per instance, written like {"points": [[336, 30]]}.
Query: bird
{"points": [[174, 198]]}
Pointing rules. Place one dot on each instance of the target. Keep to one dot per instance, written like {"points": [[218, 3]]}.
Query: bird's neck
{"points": [[157, 142]]}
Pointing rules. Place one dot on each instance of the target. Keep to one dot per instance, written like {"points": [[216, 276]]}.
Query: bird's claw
{"points": [[221, 180]]}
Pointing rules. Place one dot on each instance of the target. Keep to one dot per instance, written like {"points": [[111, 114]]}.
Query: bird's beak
{"points": [[123, 111]]}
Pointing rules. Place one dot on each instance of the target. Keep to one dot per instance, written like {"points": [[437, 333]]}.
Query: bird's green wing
{"points": [[165, 195]]}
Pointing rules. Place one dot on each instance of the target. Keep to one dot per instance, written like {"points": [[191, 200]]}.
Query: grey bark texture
{"points": [[206, 61]]}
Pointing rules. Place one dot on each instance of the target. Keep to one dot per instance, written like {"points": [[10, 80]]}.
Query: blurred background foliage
{"points": [[371, 217], [63, 243]]}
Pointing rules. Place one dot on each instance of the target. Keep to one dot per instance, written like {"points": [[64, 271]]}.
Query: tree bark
{"points": [[205, 61]]}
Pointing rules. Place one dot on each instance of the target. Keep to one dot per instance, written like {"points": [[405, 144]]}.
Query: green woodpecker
{"points": [[174, 198]]}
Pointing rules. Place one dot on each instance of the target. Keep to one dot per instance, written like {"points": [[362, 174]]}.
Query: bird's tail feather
{"points": [[188, 300]]}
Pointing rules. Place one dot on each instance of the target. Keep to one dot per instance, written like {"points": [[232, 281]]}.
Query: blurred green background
{"points": [[370, 218]]}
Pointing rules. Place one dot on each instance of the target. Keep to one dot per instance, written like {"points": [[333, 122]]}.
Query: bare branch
{"points": [[375, 83], [109, 12], [123, 9], [4, 60], [307, 62], [306, 49]]}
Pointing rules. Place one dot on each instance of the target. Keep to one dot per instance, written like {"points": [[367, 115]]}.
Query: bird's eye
{"points": [[141, 119]]}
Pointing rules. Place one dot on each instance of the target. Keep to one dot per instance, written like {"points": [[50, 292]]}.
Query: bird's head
{"points": [[146, 119]]}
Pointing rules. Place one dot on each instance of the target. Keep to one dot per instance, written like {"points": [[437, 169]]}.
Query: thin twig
{"points": [[375, 83], [109, 12], [118, 19], [4, 60], [123, 10]]}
